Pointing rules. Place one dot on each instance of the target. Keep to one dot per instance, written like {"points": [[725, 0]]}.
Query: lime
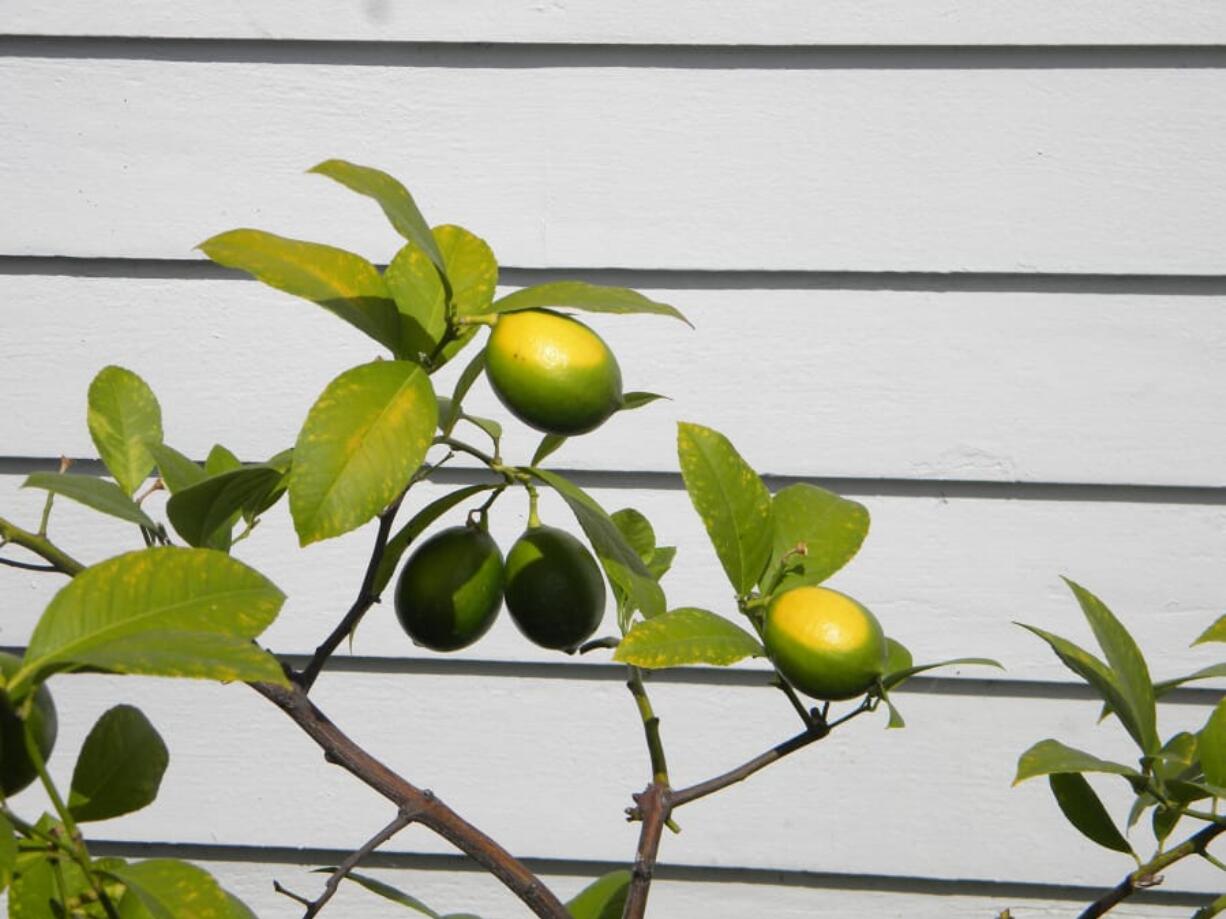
{"points": [[17, 770], [554, 590]]}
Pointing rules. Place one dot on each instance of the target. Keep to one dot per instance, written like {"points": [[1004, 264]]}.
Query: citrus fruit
{"points": [[450, 589], [552, 372], [554, 589], [17, 770], [825, 643]]}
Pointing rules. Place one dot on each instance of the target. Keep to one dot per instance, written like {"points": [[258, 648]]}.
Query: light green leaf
{"points": [[362, 441], [392, 196], [200, 510], [661, 561], [34, 888], [418, 290], [1215, 632], [124, 417], [8, 851], [637, 530], [95, 493], [547, 447], [176, 470], [1162, 687], [624, 568], [895, 677], [580, 295], [491, 427], [473, 272], [633, 400], [728, 495], [686, 636], [816, 533], [1126, 662], [387, 891], [398, 544], [897, 659], [239, 909], [1211, 742], [1164, 821], [1083, 808], [166, 888], [120, 767], [604, 898], [896, 720], [343, 283], [220, 459], [165, 611], [1050, 757]]}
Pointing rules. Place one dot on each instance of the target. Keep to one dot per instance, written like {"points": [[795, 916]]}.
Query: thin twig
{"points": [[27, 566], [276, 885], [1214, 908], [40, 546]]}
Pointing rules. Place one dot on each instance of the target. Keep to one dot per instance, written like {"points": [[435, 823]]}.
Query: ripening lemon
{"points": [[17, 770], [450, 589], [825, 643], [552, 372], [554, 589]]}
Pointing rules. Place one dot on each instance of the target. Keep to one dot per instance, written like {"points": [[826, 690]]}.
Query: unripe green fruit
{"points": [[554, 590], [450, 589], [17, 770]]}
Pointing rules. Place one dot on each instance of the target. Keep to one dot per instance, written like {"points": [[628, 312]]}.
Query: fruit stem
{"points": [[651, 726], [489, 319], [534, 519]]}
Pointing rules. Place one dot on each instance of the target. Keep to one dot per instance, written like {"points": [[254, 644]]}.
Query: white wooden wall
{"points": [[964, 261]]}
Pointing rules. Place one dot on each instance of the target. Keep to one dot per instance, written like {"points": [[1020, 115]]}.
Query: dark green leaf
{"points": [[604, 898], [815, 533], [448, 419], [387, 891], [1126, 662], [219, 460], [1164, 821], [124, 418], [415, 284], [637, 530], [734, 505], [580, 295], [345, 284], [392, 196], [200, 510], [633, 400], [397, 545], [165, 888], [362, 441], [95, 493], [1215, 632], [1162, 687], [120, 767], [548, 445], [624, 568], [1050, 757], [491, 427], [176, 470], [686, 636], [895, 677], [164, 611], [1212, 746], [1084, 810]]}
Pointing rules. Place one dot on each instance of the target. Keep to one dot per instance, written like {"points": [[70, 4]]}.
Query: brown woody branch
{"points": [[655, 807]]}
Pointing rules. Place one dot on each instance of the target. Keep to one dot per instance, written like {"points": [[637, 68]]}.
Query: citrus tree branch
{"points": [[1147, 874], [655, 807], [651, 727], [426, 809], [41, 546], [1214, 908]]}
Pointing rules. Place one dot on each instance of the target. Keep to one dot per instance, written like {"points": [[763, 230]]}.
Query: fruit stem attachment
{"points": [[651, 726], [534, 519], [489, 319], [60, 560]]}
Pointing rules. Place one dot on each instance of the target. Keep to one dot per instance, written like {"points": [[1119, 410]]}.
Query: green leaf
{"points": [[1082, 808], [1097, 674], [393, 197], [897, 659], [1211, 743], [398, 544], [343, 283], [1215, 632], [1163, 687], [895, 677], [415, 285], [34, 890], [491, 427], [201, 510], [387, 891], [1164, 821], [239, 909], [361, 443], [633, 400], [1127, 663], [580, 295], [1050, 757], [219, 460], [120, 767], [686, 636], [124, 417], [165, 611], [176, 470], [624, 568], [728, 495], [93, 492], [815, 533], [661, 561], [473, 272], [8, 851], [896, 721], [637, 530], [166, 888], [548, 445], [604, 898]]}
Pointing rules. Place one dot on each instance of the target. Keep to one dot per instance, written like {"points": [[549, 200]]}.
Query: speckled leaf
{"points": [[200, 510], [343, 283], [1082, 808], [1050, 757], [363, 439], [120, 767], [165, 888], [93, 492], [420, 297], [165, 611], [580, 295], [1211, 742], [473, 273], [417, 524], [176, 470], [1215, 632], [815, 533], [392, 196], [729, 496], [604, 898], [239, 909], [124, 417], [686, 636]]}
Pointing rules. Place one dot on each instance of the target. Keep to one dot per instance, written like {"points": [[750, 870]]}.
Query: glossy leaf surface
{"points": [[166, 888], [686, 636], [579, 295], [1049, 757], [124, 417], [95, 493], [815, 533], [1083, 808], [200, 510], [120, 767]]}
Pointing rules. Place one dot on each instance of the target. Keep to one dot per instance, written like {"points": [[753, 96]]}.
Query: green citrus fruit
{"points": [[554, 589], [450, 589], [16, 768], [552, 372], [825, 643]]}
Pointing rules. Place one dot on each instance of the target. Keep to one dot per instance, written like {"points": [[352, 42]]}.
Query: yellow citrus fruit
{"points": [[825, 643], [552, 372], [450, 589], [17, 770], [554, 589]]}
